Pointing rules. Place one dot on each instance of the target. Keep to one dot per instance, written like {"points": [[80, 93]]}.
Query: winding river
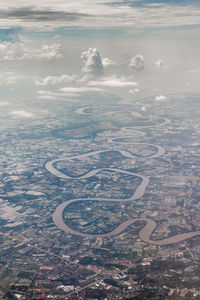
{"points": [[146, 232]]}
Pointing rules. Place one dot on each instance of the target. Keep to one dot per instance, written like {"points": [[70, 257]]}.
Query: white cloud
{"points": [[155, 4], [12, 78], [99, 14], [21, 113], [120, 82], [194, 71], [49, 52], [134, 91], [92, 62], [53, 80], [79, 89], [107, 62], [159, 63], [137, 62], [11, 51], [17, 51], [3, 103], [160, 98], [49, 95], [143, 108], [66, 93]]}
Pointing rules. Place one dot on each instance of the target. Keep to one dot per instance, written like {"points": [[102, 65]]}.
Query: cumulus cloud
{"points": [[159, 63], [92, 62], [137, 62], [121, 82], [11, 51], [160, 98], [54, 80], [107, 62], [16, 51], [49, 52], [21, 113]]}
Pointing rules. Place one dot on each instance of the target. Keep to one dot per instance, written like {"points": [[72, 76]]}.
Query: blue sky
{"points": [[10, 34]]}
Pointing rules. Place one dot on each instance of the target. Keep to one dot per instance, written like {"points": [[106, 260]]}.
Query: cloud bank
{"points": [[117, 82], [54, 80], [10, 51]]}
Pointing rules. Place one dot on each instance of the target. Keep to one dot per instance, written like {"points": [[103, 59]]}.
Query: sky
{"points": [[60, 50]]}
